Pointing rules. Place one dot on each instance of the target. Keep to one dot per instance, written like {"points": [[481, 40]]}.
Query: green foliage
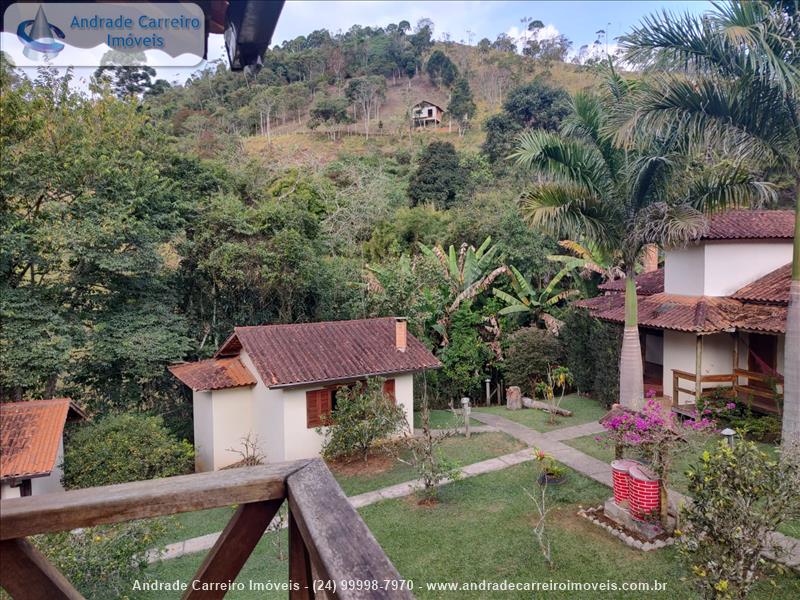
{"points": [[122, 448], [439, 178], [462, 106], [740, 496], [501, 130], [329, 111], [537, 105], [591, 351], [103, 562], [130, 81], [363, 416], [530, 351], [441, 69], [465, 358]]}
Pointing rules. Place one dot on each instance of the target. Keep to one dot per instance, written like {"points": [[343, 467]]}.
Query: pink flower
{"points": [[730, 405]]}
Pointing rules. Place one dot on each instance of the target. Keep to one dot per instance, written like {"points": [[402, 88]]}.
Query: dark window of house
{"points": [[25, 488]]}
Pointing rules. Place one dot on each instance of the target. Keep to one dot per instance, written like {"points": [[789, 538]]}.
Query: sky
{"points": [[462, 20]]}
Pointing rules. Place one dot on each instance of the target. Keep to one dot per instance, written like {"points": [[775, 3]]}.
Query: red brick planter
{"points": [[620, 473], [643, 493]]}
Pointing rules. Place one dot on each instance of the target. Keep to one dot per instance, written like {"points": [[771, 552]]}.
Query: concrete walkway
{"points": [[598, 470], [550, 442]]}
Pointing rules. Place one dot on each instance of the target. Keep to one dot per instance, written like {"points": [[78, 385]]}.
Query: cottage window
{"points": [[318, 406], [388, 389]]}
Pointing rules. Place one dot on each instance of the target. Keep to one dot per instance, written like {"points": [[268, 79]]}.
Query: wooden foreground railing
{"points": [[328, 542], [742, 384]]}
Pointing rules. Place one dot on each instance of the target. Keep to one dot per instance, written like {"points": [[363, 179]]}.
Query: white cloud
{"points": [[548, 32]]}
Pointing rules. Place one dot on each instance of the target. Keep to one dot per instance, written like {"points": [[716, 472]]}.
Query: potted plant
{"points": [[550, 472]]}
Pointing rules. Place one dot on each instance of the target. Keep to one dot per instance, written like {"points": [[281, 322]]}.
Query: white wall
{"points": [[719, 268], [684, 271], [731, 266], [7, 491], [267, 415], [232, 414], [302, 442], [51, 483], [203, 417]]}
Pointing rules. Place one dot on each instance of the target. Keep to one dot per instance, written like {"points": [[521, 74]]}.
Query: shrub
{"points": [[363, 416], [125, 447], [740, 496], [591, 352], [103, 562], [530, 351]]}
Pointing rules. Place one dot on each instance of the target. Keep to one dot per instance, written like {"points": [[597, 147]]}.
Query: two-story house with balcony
{"points": [[715, 314]]}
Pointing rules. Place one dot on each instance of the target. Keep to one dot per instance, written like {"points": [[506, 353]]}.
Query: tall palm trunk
{"points": [[791, 360], [631, 384]]}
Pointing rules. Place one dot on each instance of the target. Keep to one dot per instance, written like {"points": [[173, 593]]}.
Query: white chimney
{"points": [[400, 333]]}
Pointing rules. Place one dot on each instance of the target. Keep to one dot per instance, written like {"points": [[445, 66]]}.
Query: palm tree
{"points": [[734, 86], [622, 199]]}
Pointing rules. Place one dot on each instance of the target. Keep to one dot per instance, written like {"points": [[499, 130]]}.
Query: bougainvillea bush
{"points": [[655, 435]]}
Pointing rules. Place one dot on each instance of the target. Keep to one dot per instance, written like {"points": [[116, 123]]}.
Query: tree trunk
{"points": [[791, 383], [631, 376]]}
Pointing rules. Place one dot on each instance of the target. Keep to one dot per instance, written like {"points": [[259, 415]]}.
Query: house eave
{"points": [[298, 384]]}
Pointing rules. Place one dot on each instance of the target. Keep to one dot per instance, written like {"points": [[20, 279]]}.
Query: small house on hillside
{"points": [[276, 383], [426, 113], [32, 445], [715, 314]]}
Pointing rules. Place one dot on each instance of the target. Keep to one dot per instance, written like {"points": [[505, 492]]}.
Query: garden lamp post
{"points": [[728, 434], [488, 391], [465, 410]]}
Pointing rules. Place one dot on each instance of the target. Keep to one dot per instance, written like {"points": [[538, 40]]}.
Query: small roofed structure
{"points": [[426, 113], [32, 445], [277, 383]]}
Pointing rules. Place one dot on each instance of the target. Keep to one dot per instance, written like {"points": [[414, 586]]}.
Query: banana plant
{"points": [[527, 299]]}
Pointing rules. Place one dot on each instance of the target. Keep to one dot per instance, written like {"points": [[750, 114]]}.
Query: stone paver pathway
{"points": [[551, 443]]}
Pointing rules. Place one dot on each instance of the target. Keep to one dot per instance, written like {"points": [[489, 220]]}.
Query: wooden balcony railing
{"points": [[762, 392], [328, 542]]}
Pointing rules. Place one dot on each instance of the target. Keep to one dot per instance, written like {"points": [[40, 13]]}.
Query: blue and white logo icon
{"points": [[39, 35]]}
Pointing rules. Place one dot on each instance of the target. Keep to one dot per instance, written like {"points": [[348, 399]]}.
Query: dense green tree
{"points": [[330, 112], [501, 129], [122, 448], [129, 81], [441, 70], [504, 43], [439, 178], [462, 106], [537, 105]]}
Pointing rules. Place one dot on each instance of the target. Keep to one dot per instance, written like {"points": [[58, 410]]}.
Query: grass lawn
{"points": [[441, 419], [380, 471], [194, 524], [584, 410], [678, 481], [357, 478], [482, 530]]}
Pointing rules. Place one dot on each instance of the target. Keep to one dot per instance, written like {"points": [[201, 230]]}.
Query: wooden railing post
{"points": [[300, 577], [26, 574]]}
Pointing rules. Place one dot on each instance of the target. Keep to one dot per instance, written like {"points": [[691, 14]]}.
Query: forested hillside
{"points": [[142, 221]]}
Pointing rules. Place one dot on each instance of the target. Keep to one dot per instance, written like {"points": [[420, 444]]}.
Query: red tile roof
{"points": [[303, 353], [647, 284], [751, 224], [601, 303], [214, 374], [699, 314], [771, 288], [30, 434]]}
